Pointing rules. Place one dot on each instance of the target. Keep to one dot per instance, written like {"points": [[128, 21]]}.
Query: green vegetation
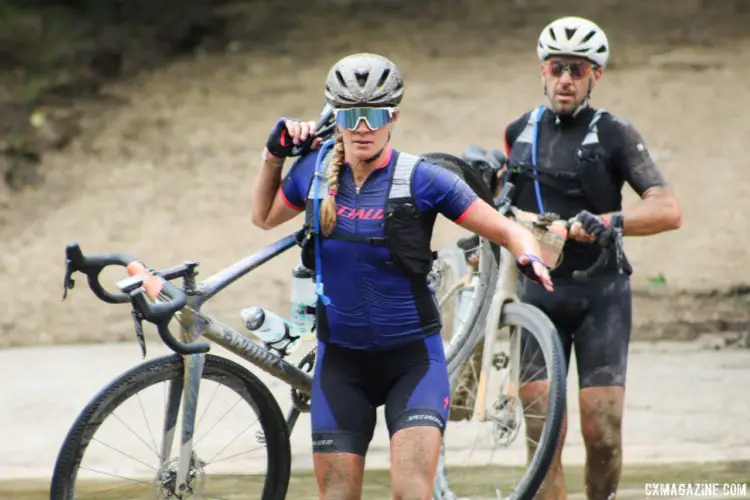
{"points": [[467, 482]]}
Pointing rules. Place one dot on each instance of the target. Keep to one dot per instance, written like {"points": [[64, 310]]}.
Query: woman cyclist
{"points": [[378, 322]]}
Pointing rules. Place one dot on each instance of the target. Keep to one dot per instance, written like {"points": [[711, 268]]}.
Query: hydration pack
{"points": [[407, 231], [590, 180]]}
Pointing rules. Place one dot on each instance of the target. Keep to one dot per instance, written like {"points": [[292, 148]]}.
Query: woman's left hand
{"points": [[534, 268]]}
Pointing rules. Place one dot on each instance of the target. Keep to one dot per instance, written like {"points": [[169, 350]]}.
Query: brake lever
{"points": [[129, 285], [68, 281], [138, 325]]}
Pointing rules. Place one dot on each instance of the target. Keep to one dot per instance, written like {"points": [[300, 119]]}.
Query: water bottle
{"points": [[271, 329], [304, 299]]}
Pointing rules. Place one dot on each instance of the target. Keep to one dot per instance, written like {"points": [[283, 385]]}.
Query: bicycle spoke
{"points": [[117, 476], [208, 405], [209, 462], [537, 417], [230, 443], [217, 422], [124, 454], [145, 419], [135, 434]]}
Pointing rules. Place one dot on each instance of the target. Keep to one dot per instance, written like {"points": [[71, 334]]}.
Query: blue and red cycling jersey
{"points": [[373, 305]]}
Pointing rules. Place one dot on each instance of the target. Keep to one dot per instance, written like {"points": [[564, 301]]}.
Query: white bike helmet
{"points": [[364, 80], [574, 36]]}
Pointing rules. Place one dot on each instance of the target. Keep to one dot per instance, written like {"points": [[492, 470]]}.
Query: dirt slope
{"points": [[166, 176]]}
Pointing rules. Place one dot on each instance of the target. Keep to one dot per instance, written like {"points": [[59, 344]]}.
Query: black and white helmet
{"points": [[574, 36], [364, 80]]}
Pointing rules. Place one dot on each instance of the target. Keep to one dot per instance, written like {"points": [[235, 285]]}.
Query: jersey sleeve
{"points": [[513, 130], [634, 160], [296, 183], [441, 190]]}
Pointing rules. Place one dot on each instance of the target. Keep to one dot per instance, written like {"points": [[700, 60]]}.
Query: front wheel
{"points": [[103, 456], [508, 387]]}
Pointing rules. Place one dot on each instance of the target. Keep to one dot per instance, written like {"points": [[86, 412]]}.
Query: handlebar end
{"points": [[73, 253], [73, 260]]}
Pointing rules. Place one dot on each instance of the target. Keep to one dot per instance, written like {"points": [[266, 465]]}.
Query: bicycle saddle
{"points": [[474, 154]]}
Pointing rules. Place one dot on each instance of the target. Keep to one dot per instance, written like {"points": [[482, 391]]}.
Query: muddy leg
{"points": [[339, 475], [601, 425], [414, 457]]}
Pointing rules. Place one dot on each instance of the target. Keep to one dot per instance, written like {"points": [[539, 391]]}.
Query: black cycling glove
{"points": [[597, 227], [528, 268], [280, 143], [592, 224]]}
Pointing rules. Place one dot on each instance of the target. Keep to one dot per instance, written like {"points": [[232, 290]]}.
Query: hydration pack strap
{"points": [[316, 223], [401, 178], [536, 116], [372, 240]]}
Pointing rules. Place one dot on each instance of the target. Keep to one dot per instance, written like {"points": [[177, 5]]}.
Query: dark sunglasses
{"points": [[374, 118], [577, 69]]}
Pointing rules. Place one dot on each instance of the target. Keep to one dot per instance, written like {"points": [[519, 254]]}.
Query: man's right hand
{"points": [[289, 133], [587, 227], [579, 234]]}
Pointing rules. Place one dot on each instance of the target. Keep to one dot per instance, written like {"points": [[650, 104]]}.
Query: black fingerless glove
{"points": [[591, 223], [280, 143], [528, 268]]}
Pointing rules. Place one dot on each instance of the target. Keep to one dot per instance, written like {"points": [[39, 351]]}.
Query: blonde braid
{"points": [[328, 207]]}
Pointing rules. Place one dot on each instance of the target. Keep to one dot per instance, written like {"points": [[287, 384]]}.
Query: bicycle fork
{"points": [[183, 390]]}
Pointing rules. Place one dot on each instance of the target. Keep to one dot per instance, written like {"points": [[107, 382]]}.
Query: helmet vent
{"points": [[589, 36], [340, 78], [361, 78], [384, 77], [570, 32]]}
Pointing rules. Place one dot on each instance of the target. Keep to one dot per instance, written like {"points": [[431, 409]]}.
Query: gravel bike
{"points": [[486, 362]]}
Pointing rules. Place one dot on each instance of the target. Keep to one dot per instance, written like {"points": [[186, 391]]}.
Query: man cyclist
{"points": [[572, 159], [372, 212]]}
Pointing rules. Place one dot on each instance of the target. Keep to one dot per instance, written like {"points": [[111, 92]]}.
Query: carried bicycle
{"points": [[486, 362]]}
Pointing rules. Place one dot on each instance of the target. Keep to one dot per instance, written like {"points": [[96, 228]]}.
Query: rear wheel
{"points": [[104, 457], [484, 457]]}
